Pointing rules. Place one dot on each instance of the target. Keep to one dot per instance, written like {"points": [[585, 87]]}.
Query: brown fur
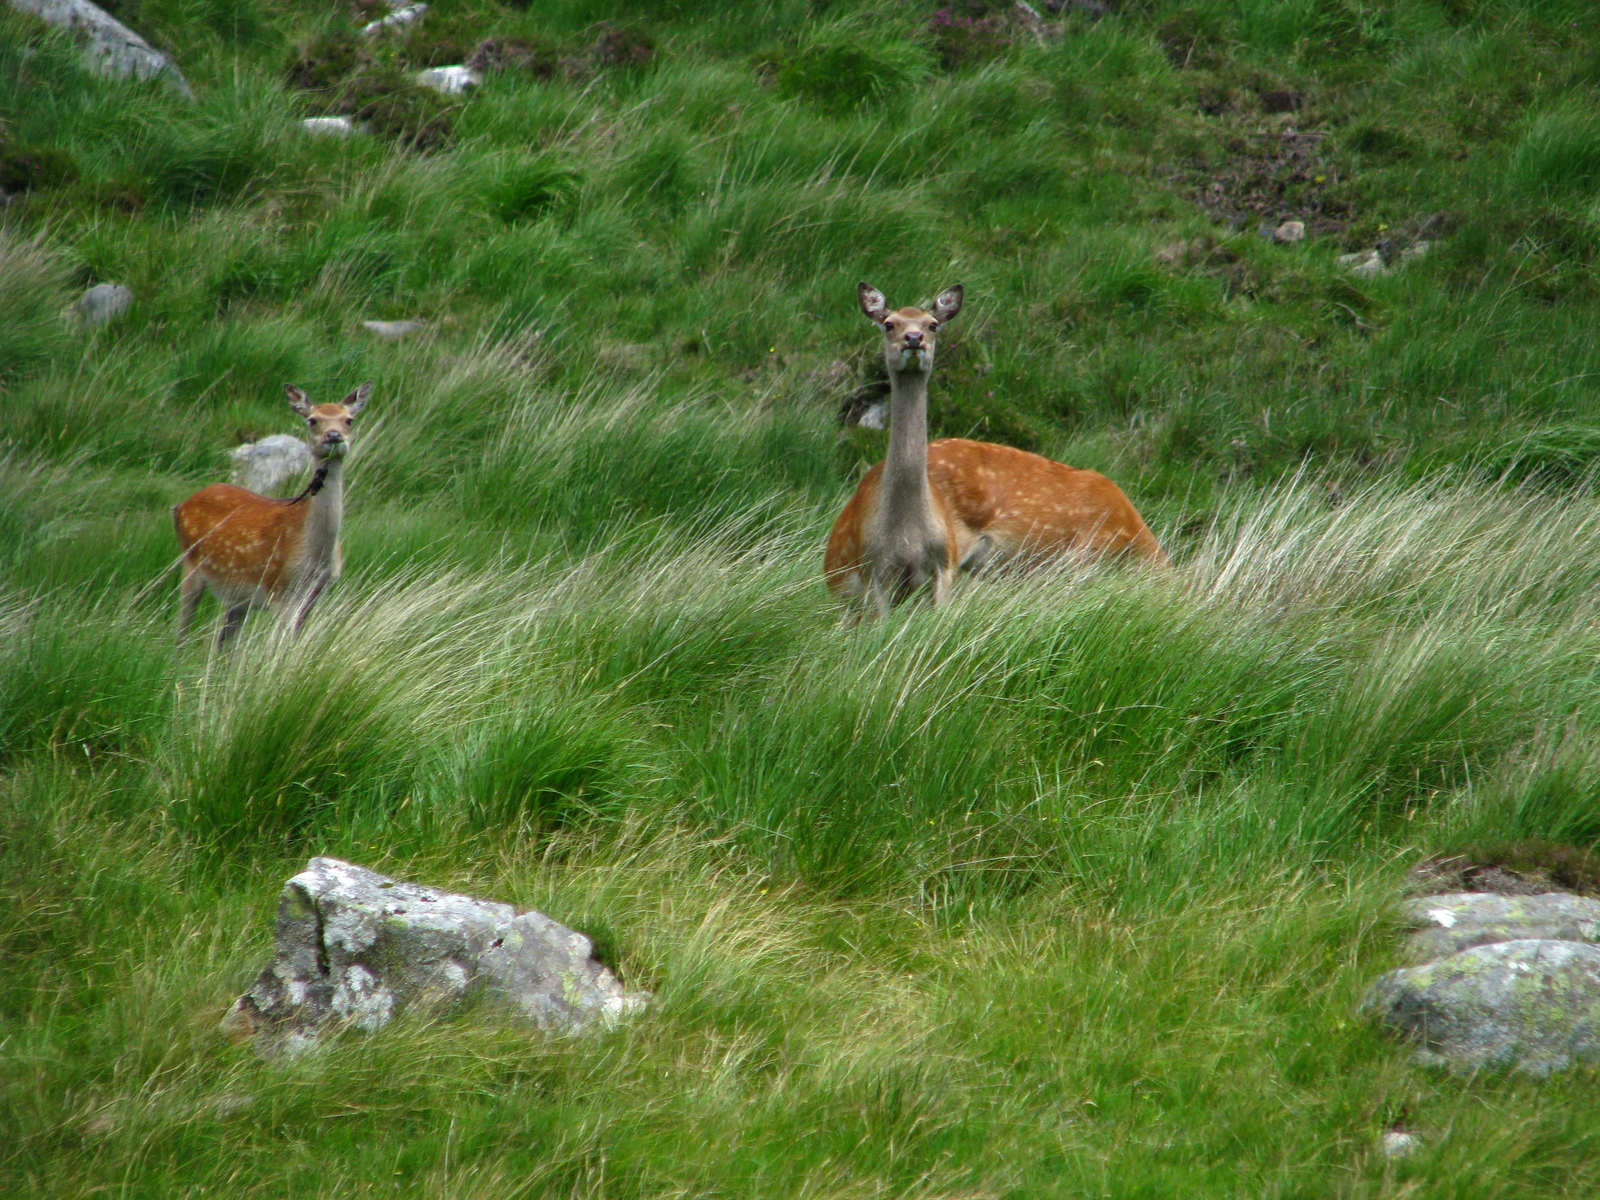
{"points": [[1034, 509], [239, 540]]}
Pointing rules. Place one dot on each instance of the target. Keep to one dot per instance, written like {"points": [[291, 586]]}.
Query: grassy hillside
{"points": [[1067, 889]]}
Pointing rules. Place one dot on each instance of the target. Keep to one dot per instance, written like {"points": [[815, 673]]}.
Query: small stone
{"points": [[1368, 264], [1290, 231], [1415, 251], [1397, 1143], [103, 302], [330, 126], [450, 81], [268, 465], [393, 331], [398, 19]]}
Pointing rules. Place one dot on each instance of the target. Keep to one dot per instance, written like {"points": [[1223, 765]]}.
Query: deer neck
{"points": [[326, 513], [907, 496]]}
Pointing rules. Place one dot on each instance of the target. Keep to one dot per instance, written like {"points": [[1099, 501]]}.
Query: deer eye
{"points": [[932, 325], [311, 421]]}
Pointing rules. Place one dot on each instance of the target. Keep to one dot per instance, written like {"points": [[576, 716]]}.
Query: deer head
{"points": [[909, 333], [329, 424]]}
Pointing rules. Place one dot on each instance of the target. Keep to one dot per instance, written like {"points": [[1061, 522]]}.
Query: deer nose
{"points": [[333, 435], [913, 340]]}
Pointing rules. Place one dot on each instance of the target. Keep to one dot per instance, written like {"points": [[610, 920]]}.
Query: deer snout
{"points": [[333, 437], [913, 340]]}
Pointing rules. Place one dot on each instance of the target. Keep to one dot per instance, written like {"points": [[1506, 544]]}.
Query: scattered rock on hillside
{"points": [[1087, 8], [330, 126], [103, 302], [356, 948], [267, 465], [874, 416], [1382, 258], [395, 21], [113, 48], [393, 331], [1457, 921], [449, 81], [1286, 231], [1530, 1004], [1397, 1143]]}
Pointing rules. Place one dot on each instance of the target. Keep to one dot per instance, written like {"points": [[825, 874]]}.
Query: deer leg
{"points": [[299, 608], [232, 620], [190, 589], [979, 555]]}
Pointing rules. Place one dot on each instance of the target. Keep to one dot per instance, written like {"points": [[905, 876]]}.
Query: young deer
{"points": [[254, 552], [931, 509]]}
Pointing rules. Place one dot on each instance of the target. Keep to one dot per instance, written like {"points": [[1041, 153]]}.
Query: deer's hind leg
{"points": [[190, 589], [232, 621]]}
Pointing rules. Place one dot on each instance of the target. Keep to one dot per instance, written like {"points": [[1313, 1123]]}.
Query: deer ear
{"points": [[949, 303], [872, 302], [357, 400], [298, 400]]}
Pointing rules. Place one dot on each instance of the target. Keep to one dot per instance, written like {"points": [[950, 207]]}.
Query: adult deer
{"points": [[930, 509], [254, 552]]}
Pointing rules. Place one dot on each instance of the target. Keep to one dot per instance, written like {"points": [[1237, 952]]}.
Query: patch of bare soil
{"points": [[1529, 868], [1269, 176]]}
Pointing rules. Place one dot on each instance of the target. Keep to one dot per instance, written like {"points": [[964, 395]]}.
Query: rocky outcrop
{"points": [[1460, 920], [1531, 1004], [114, 49], [1504, 981], [357, 949]]}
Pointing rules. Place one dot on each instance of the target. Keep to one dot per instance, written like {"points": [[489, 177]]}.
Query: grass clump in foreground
{"points": [[1067, 889], [1070, 887]]}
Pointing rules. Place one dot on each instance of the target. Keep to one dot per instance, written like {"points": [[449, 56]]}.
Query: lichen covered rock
{"points": [[1530, 1004], [1455, 921], [356, 948]]}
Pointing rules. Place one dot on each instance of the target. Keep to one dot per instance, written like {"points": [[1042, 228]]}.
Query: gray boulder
{"points": [[266, 466], [1458, 920], [1529, 1004], [113, 48], [103, 302], [356, 948]]}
